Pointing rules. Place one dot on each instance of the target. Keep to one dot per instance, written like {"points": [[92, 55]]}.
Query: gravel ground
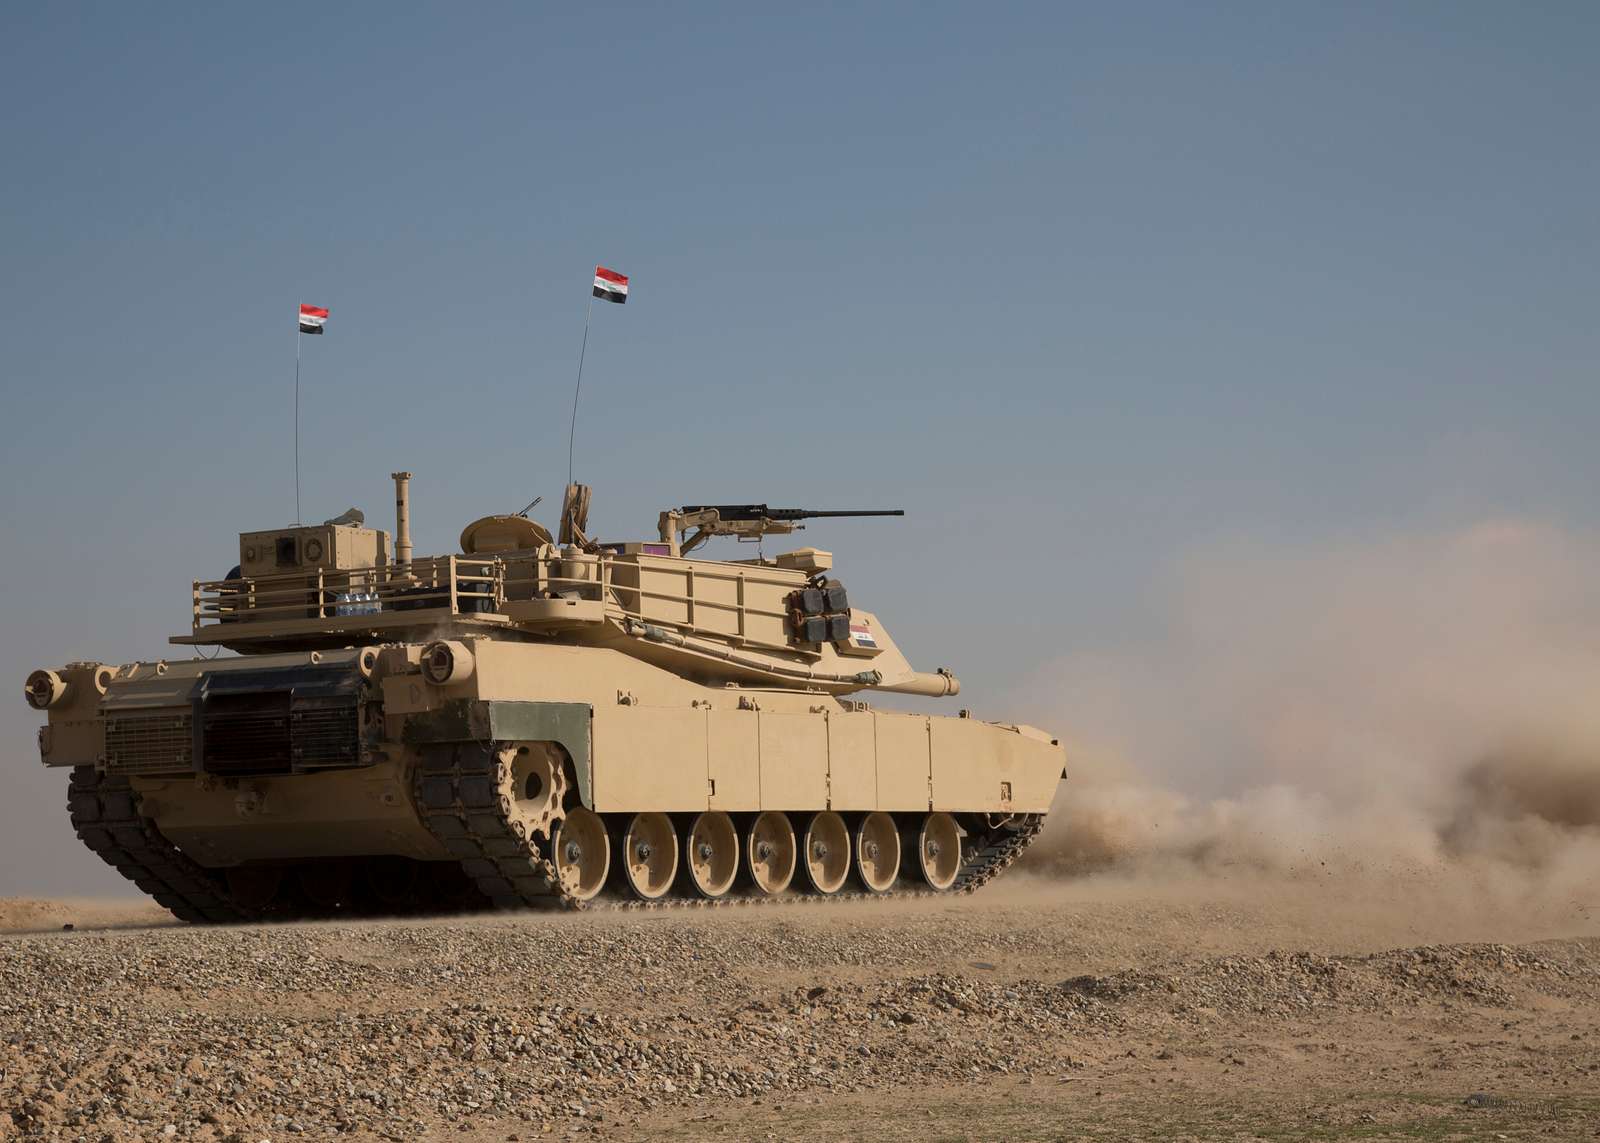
{"points": [[992, 1016]]}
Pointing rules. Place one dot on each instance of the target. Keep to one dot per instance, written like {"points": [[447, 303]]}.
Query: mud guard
{"points": [[489, 720]]}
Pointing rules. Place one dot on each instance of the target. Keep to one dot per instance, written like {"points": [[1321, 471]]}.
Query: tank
{"points": [[537, 720]]}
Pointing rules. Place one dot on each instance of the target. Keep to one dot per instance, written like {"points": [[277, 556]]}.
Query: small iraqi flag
{"points": [[610, 285], [312, 319]]}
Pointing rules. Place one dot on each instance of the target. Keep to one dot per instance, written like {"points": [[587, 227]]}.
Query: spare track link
{"points": [[105, 815], [457, 795]]}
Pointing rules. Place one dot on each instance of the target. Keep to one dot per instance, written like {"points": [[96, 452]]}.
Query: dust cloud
{"points": [[1412, 706]]}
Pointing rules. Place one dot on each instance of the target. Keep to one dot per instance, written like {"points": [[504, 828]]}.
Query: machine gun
{"points": [[744, 521]]}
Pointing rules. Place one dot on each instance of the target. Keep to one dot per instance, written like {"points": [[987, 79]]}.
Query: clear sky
{"points": [[1080, 287]]}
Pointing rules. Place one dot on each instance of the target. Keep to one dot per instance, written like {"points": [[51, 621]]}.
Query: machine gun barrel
{"points": [[762, 512]]}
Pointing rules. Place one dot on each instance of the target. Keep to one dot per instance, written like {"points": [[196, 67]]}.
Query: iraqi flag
{"points": [[610, 285], [313, 318]]}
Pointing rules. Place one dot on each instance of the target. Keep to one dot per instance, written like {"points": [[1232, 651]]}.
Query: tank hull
{"points": [[520, 773]]}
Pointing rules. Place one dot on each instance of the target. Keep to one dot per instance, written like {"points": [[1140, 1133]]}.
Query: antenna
{"points": [[572, 430]]}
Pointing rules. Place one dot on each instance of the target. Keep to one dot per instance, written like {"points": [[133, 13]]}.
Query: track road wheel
{"points": [[770, 852], [825, 852], [391, 883], [933, 851], [877, 853], [648, 855], [711, 853], [328, 885], [582, 854], [253, 887]]}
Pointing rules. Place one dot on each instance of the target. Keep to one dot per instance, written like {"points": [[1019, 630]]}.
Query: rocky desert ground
{"points": [[1210, 1007]]}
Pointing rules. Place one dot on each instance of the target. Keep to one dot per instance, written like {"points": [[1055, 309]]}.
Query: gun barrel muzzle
{"points": [[930, 684]]}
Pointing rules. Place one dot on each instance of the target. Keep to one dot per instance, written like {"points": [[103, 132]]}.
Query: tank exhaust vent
{"points": [[402, 518]]}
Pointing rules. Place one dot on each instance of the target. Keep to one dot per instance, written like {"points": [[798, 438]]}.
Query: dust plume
{"points": [[1407, 704]]}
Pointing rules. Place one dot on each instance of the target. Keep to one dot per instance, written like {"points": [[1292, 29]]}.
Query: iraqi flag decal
{"points": [[861, 635], [610, 285], [312, 319]]}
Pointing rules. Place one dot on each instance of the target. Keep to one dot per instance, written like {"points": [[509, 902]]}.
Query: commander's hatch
{"points": [[493, 535], [504, 535]]}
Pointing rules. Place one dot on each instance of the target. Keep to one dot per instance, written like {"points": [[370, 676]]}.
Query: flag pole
{"points": [[298, 338], [572, 431]]}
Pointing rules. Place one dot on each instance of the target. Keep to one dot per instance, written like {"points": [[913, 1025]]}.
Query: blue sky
{"points": [[1080, 287]]}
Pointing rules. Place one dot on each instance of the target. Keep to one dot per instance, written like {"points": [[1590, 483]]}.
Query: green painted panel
{"points": [[477, 720], [563, 722]]}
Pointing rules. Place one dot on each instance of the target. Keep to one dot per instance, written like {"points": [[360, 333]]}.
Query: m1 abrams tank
{"points": [[535, 721]]}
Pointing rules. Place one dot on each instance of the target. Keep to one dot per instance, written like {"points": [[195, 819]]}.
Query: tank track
{"points": [[458, 796], [457, 793], [1003, 848], [108, 819], [105, 815]]}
